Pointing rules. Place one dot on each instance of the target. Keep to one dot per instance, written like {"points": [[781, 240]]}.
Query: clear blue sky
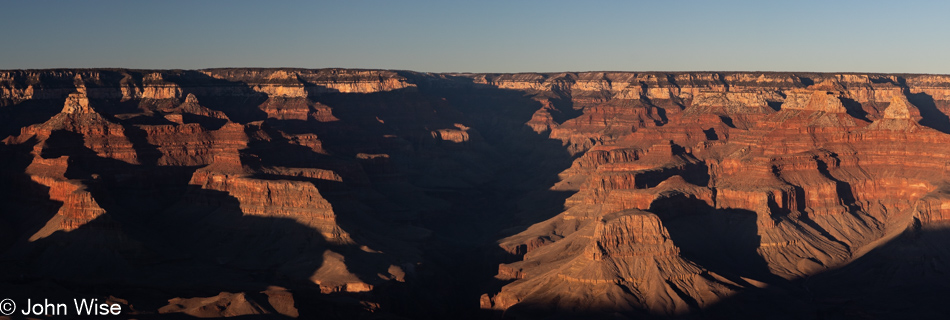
{"points": [[481, 36]]}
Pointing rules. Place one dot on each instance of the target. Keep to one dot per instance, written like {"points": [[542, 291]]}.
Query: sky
{"points": [[481, 36]]}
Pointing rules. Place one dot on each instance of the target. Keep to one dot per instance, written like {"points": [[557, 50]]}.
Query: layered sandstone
{"points": [[795, 158], [621, 193]]}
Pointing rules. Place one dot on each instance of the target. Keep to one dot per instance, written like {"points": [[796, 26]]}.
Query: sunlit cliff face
{"points": [[364, 191]]}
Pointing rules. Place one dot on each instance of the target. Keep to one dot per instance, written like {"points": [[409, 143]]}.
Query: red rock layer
{"points": [[682, 188], [829, 170]]}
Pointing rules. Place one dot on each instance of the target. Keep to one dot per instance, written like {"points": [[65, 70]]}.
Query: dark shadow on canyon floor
{"points": [[26, 113], [457, 159], [724, 241], [160, 238], [26, 204]]}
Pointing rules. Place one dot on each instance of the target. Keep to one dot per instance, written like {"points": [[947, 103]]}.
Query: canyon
{"points": [[344, 193]]}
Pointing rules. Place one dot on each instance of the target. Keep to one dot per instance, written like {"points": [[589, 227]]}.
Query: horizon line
{"points": [[466, 72]]}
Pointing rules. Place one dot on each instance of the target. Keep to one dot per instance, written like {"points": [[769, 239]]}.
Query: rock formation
{"points": [[349, 193]]}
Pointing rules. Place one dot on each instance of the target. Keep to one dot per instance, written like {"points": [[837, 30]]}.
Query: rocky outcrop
{"points": [[814, 101], [627, 261], [77, 103]]}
